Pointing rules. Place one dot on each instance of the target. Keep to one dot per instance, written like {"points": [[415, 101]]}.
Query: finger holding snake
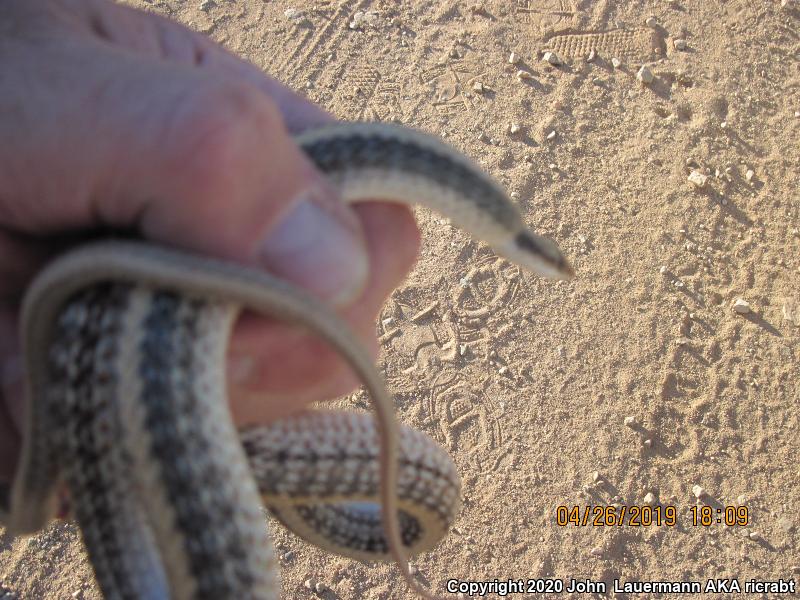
{"points": [[143, 124]]}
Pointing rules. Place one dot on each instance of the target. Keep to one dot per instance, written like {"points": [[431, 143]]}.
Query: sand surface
{"points": [[536, 401]]}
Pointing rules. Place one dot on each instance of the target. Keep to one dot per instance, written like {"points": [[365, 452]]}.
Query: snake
{"points": [[127, 426]]}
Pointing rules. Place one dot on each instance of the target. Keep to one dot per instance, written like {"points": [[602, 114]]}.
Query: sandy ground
{"points": [[550, 371]]}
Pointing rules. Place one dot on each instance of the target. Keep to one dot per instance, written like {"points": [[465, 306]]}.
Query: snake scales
{"points": [[124, 346]]}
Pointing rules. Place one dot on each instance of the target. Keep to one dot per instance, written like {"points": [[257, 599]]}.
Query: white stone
{"points": [[651, 21], [698, 491], [649, 498], [552, 58], [698, 179], [524, 75], [749, 175], [616, 63], [680, 44], [592, 56], [645, 75], [552, 135], [513, 58], [293, 14], [741, 306], [629, 421], [477, 86], [514, 128]]}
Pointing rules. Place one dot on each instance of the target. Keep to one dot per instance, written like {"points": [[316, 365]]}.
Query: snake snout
{"points": [[541, 255]]}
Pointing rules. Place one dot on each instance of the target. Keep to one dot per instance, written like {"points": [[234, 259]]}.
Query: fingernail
{"points": [[318, 249]]}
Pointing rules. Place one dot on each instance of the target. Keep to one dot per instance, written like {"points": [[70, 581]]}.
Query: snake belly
{"points": [[125, 345]]}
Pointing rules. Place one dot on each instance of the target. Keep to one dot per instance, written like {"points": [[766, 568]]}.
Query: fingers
{"points": [[158, 129], [276, 369], [152, 35], [197, 162]]}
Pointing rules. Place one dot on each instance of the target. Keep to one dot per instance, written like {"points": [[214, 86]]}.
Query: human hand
{"points": [[119, 119]]}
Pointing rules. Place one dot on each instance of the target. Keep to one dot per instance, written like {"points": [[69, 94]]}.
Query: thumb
{"points": [[227, 178], [191, 158]]}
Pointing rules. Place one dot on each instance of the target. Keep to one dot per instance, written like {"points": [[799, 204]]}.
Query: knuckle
{"points": [[222, 130]]}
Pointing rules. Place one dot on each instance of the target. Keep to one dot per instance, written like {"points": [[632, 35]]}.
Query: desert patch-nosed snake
{"points": [[124, 346]]}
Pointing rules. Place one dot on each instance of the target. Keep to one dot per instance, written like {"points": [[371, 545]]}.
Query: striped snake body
{"points": [[124, 346]]}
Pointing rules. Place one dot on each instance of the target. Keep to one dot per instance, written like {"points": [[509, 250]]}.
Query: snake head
{"points": [[538, 254]]}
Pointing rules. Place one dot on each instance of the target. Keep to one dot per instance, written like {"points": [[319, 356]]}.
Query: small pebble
{"points": [[552, 58], [514, 128], [596, 476], [649, 498], [310, 584], [629, 421], [592, 56], [651, 21], [755, 536], [551, 135], [616, 63], [663, 269], [648, 443], [513, 58], [523, 75], [645, 75], [749, 175], [698, 491], [292, 14], [477, 86], [698, 179], [741, 306], [680, 44], [207, 5], [596, 551]]}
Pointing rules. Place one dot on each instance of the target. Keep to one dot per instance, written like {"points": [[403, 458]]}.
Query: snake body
{"points": [[124, 346]]}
